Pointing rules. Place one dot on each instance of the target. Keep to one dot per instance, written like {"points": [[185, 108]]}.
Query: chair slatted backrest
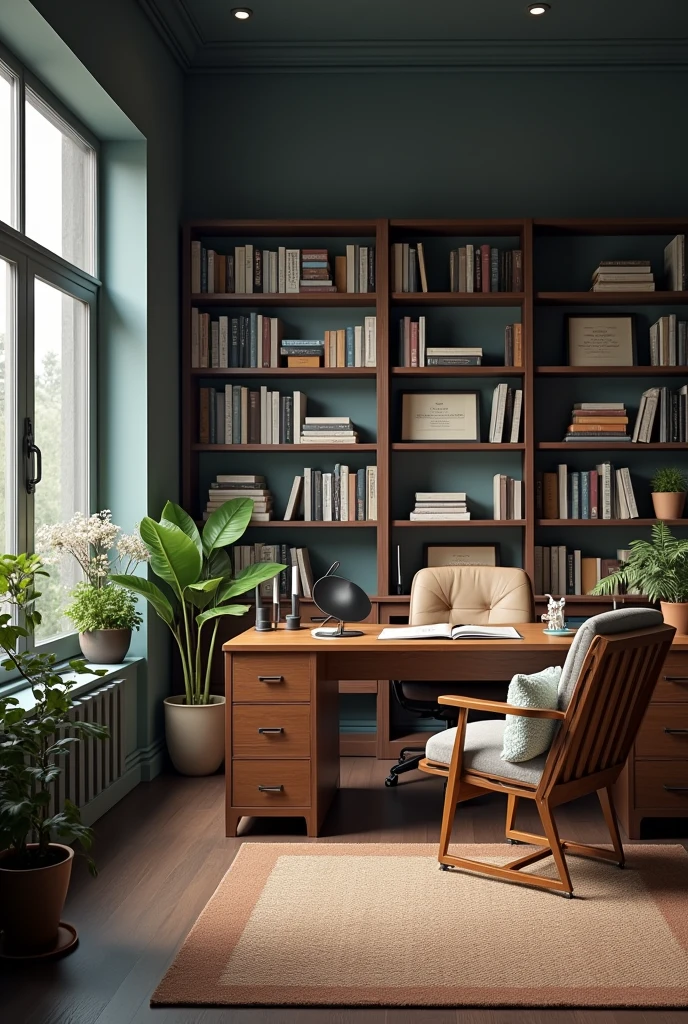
{"points": [[607, 706]]}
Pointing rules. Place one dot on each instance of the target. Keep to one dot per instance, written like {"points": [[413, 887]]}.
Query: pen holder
{"points": [[293, 622], [263, 619]]}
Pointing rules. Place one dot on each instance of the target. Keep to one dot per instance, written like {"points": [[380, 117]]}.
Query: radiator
{"points": [[93, 764]]}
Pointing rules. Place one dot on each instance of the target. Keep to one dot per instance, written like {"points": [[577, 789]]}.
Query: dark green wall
{"points": [[538, 142]]}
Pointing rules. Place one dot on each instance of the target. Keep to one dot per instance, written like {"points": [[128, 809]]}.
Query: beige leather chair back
{"points": [[477, 594]]}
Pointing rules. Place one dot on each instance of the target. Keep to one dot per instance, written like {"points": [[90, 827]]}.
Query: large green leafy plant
{"points": [[657, 568], [34, 744], [198, 583]]}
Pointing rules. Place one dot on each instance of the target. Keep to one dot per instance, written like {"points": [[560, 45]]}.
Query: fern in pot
{"points": [[196, 589], [657, 568], [669, 493]]}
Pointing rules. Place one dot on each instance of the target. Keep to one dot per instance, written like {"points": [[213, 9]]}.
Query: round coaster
{"points": [[559, 632], [67, 940]]}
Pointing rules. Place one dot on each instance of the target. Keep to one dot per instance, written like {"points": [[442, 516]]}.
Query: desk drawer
{"points": [[271, 678], [672, 684], [664, 732], [288, 782], [292, 739], [662, 784]]}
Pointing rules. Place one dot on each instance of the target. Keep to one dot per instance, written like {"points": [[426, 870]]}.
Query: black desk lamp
{"points": [[342, 600]]}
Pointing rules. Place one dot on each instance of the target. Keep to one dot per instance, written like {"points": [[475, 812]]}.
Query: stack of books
{"points": [[623, 276], [675, 265], [249, 270], [316, 275], [328, 430], [600, 493], [239, 415], [304, 352], [344, 495], [433, 506], [509, 501], [243, 341], [669, 409], [513, 345], [559, 571], [505, 418], [484, 268], [245, 555], [669, 342], [598, 421], [452, 356], [237, 485], [408, 267]]}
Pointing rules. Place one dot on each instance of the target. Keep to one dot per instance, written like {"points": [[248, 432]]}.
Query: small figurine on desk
{"points": [[554, 616]]}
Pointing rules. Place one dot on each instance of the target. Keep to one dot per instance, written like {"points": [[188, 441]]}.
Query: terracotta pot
{"points": [[105, 646], [676, 615], [31, 901], [668, 504], [195, 735]]}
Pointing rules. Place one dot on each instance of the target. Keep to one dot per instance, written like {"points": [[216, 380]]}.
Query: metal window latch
{"points": [[263, 731], [34, 458], [271, 789]]}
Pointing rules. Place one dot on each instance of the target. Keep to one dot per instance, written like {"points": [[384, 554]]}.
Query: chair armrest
{"points": [[475, 704]]}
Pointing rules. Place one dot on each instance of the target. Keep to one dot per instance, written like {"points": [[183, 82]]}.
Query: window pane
{"points": [[61, 412], [60, 186], [8, 146], [8, 413]]}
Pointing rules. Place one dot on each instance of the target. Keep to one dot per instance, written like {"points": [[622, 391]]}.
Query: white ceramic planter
{"points": [[195, 735]]}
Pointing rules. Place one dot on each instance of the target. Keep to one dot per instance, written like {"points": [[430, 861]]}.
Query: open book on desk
{"points": [[445, 631]]}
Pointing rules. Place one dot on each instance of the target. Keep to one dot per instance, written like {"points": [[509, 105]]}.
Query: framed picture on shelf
{"points": [[440, 416], [461, 554], [601, 339]]}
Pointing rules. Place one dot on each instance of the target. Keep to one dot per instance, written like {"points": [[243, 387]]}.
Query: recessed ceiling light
{"points": [[538, 8], [242, 13]]}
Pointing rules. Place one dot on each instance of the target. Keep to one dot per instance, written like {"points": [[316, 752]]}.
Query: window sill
{"points": [[85, 683]]}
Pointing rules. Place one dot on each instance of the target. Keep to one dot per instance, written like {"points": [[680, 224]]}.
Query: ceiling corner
{"points": [[176, 27]]}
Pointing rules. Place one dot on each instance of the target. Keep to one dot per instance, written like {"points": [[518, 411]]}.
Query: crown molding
{"points": [[177, 29]]}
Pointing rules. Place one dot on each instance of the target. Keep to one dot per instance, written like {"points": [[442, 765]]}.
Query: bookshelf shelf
{"points": [[611, 371], [285, 371], [283, 447], [457, 298], [448, 446], [622, 523], [312, 524], [611, 298], [609, 446], [459, 371], [287, 299], [446, 523]]}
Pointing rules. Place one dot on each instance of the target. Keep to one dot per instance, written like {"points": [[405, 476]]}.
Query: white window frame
{"points": [[32, 261]]}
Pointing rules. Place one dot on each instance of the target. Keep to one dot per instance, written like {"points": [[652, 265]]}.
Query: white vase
{"points": [[195, 734]]}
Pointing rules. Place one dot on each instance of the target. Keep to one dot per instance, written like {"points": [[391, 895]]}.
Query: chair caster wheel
{"points": [[568, 895], [391, 780], [513, 842], [444, 867], [622, 864]]}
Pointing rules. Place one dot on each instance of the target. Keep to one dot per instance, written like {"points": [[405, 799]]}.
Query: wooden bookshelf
{"points": [[559, 256]]}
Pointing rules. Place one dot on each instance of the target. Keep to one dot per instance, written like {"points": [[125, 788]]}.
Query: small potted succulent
{"points": [[669, 493], [103, 612], [35, 860]]}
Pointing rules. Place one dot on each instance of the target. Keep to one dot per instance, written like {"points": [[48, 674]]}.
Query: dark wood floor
{"points": [[161, 853]]}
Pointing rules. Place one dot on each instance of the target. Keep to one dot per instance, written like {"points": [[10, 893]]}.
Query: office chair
{"points": [[474, 594]]}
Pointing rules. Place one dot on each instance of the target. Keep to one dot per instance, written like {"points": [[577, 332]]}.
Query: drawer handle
{"points": [[675, 732], [270, 679], [683, 680], [676, 789], [271, 789], [279, 729]]}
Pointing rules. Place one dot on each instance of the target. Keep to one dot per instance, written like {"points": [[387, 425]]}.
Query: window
{"points": [[48, 295]]}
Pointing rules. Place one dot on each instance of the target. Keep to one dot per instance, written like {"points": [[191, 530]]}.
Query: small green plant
{"points": [[109, 607], [198, 582], [669, 480], [657, 568], [34, 744]]}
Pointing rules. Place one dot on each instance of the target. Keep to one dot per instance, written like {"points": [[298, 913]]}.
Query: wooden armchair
{"points": [[606, 685]]}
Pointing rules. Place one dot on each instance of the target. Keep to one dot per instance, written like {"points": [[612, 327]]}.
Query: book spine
{"points": [[517, 280], [229, 415], [317, 496], [237, 434], [494, 270], [350, 347], [360, 494], [211, 416]]}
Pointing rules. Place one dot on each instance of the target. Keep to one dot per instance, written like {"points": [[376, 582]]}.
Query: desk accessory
{"points": [[263, 619], [275, 602], [554, 616], [400, 582], [340, 599], [294, 620]]}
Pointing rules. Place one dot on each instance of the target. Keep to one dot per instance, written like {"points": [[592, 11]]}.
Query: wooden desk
{"points": [[282, 751]]}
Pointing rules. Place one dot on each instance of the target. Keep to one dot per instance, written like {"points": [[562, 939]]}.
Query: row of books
{"points": [[505, 417], [227, 486], [248, 270], [239, 415], [245, 555], [668, 409], [600, 493], [669, 342], [598, 421], [508, 497], [513, 345], [341, 496], [485, 268], [560, 571], [346, 346], [623, 276], [432, 506]]}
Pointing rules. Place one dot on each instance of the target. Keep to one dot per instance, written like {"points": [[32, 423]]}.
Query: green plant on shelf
{"points": [[668, 480], [657, 568]]}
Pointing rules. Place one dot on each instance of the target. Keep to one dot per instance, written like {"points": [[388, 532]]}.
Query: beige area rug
{"points": [[325, 924]]}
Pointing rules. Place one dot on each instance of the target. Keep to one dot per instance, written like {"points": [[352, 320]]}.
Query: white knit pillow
{"points": [[527, 737]]}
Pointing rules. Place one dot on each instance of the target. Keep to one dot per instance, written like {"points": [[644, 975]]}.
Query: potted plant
{"points": [[659, 569], [35, 868], [197, 588], [669, 493], [103, 612]]}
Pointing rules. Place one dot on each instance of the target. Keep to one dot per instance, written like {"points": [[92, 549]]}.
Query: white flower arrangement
{"points": [[97, 544]]}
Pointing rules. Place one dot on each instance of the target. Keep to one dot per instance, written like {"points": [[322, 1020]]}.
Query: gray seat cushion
{"points": [[623, 620], [482, 752]]}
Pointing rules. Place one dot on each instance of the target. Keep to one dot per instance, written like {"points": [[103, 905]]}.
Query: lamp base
{"points": [[335, 634]]}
